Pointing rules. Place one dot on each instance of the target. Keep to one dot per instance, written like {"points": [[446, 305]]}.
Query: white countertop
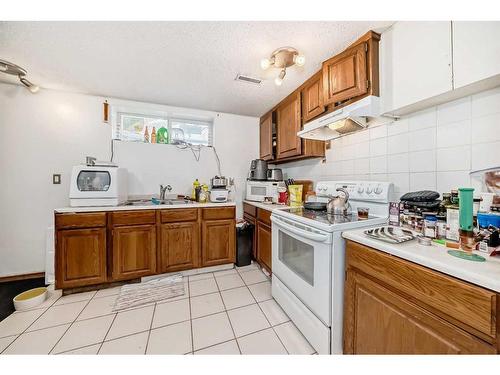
{"points": [[142, 207], [267, 206], [485, 274]]}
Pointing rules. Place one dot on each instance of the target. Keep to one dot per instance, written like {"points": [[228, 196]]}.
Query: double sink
{"points": [[156, 202]]}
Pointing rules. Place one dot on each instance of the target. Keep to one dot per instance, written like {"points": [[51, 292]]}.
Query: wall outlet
{"points": [[56, 179]]}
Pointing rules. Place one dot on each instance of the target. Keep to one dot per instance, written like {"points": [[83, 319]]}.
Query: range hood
{"points": [[345, 120]]}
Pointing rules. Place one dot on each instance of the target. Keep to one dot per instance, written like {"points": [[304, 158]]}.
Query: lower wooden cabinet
{"points": [[264, 244], [80, 257], [178, 247], [393, 306], [133, 251], [218, 242]]}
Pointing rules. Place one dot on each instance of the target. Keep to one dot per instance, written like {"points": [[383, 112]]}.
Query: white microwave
{"points": [[257, 190], [98, 186]]}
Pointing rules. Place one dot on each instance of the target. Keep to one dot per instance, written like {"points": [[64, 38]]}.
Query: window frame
{"points": [[118, 111]]}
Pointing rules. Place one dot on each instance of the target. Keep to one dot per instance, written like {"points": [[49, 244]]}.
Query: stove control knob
{"points": [[378, 189], [361, 188], [369, 189]]}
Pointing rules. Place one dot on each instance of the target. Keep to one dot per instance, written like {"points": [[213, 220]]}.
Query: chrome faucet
{"points": [[163, 189]]}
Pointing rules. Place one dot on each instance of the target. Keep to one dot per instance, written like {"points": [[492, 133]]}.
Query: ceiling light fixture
{"points": [[15, 70], [283, 58]]}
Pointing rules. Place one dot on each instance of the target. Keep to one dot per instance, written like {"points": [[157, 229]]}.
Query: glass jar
{"points": [[430, 224], [441, 227]]}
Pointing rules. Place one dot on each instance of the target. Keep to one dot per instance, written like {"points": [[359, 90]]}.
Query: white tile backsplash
{"points": [[398, 163], [486, 128], [422, 119], [432, 149], [422, 161], [424, 139], [397, 144], [453, 158], [457, 110], [454, 134], [378, 147]]}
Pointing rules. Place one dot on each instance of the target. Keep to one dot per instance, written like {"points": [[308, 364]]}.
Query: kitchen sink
{"points": [[156, 202]]}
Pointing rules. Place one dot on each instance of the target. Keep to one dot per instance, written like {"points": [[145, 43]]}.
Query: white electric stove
{"points": [[308, 255]]}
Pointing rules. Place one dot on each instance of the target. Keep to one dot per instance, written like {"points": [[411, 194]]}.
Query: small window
{"points": [[129, 126]]}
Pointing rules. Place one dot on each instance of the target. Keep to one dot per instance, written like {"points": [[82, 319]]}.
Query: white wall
{"points": [[433, 149], [51, 131]]}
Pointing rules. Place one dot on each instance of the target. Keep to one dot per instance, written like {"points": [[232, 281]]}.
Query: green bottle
{"points": [[162, 135], [465, 208]]}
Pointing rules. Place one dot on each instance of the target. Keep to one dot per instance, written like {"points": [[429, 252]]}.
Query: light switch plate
{"points": [[56, 179]]}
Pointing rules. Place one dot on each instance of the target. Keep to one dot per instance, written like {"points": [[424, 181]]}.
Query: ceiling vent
{"points": [[247, 79]]}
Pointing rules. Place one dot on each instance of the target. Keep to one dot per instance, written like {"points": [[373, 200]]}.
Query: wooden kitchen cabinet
{"points": [[266, 138], [179, 247], [312, 98], [133, 251], [218, 242], [80, 256], [264, 244], [345, 75], [393, 306], [288, 124]]}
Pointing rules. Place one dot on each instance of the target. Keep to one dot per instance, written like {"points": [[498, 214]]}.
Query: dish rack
{"points": [[392, 235]]}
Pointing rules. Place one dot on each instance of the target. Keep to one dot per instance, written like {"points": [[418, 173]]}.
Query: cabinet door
{"points": [[476, 51], [81, 257], [415, 63], [218, 242], [179, 247], [264, 244], [266, 138], [288, 124], [312, 98], [134, 251], [345, 75], [252, 221], [379, 321]]}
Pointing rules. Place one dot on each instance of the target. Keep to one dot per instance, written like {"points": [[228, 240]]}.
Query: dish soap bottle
{"points": [[196, 184], [153, 135], [146, 135]]}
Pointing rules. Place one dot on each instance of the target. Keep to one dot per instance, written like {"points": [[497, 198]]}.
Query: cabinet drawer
{"points": [[119, 218], [462, 303], [250, 209], [179, 215], [219, 213], [264, 216], [80, 220]]}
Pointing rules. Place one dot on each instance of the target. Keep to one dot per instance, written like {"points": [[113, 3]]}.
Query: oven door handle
{"points": [[299, 232]]}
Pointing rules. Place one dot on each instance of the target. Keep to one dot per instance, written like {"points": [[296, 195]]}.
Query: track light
{"points": [[283, 58], [15, 70]]}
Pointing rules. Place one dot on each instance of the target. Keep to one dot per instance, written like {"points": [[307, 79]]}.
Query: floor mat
{"points": [[155, 290]]}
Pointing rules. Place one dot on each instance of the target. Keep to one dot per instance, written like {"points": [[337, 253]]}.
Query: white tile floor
{"points": [[225, 312]]}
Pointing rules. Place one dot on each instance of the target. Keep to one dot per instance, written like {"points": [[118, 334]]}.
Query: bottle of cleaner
{"points": [[153, 135], [196, 184], [146, 135]]}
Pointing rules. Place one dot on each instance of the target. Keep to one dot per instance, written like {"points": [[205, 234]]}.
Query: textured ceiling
{"points": [[188, 64]]}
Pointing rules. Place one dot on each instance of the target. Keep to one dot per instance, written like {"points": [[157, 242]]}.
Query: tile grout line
{"points": [[191, 317], [150, 328], [265, 316], [26, 329], [73, 322], [227, 314]]}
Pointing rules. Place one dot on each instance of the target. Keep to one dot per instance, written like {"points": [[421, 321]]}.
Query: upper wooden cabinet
{"points": [[288, 124], [266, 137], [133, 251], [345, 75], [476, 51], [312, 98], [80, 256]]}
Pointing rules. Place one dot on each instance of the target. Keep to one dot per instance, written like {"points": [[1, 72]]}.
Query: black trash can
{"points": [[244, 244]]}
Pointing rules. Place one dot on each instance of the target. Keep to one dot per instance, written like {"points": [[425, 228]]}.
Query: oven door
{"points": [[302, 262]]}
